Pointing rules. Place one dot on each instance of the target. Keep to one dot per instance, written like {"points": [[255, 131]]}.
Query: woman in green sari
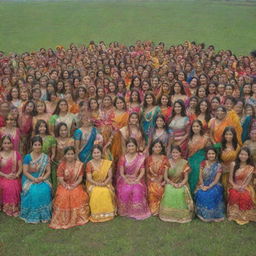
{"points": [[196, 152], [48, 147], [176, 204]]}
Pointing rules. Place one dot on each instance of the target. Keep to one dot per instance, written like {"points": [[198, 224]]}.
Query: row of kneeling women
{"points": [[138, 186]]}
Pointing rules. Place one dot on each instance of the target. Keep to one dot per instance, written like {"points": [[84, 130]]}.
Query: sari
{"points": [[210, 203], [126, 133], [10, 188], [242, 203], [102, 198], [166, 112], [48, 143], [148, 121], [36, 201], [25, 125], [196, 155], [132, 198], [68, 119], [87, 142], [228, 157], [155, 176], [177, 204], [119, 122], [218, 129], [252, 146], [177, 129], [70, 207], [234, 120]]}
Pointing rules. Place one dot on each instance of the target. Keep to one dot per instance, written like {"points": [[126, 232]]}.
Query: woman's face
{"points": [[136, 82], [160, 122], [177, 88], [239, 107], [193, 103], [42, 129], [101, 93], [40, 108], [203, 107], [145, 86], [229, 104], [96, 154], [15, 93], [201, 93], [7, 144], [120, 104], [134, 97], [63, 106], [131, 148], [215, 104], [243, 156], [164, 100], [221, 89], [149, 99], [212, 88], [70, 156], [24, 95], [228, 136], [211, 155], [157, 148], [81, 93], [229, 91], [93, 105], [177, 108], [193, 83], [249, 111], [107, 102], [63, 131], [220, 113], [202, 79], [10, 121], [181, 76], [196, 128], [176, 154], [254, 88], [29, 107], [247, 89], [134, 120], [253, 135], [37, 146]]}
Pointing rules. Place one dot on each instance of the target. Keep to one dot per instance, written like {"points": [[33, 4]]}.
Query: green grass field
{"points": [[31, 25]]}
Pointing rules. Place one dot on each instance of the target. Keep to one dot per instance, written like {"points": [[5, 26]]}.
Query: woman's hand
{"points": [[11, 176]]}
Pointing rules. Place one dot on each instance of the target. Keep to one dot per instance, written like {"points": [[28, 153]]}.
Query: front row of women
{"points": [[164, 192]]}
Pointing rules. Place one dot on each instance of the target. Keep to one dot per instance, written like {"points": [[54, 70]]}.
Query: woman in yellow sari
{"points": [[241, 196], [229, 150], [102, 196], [120, 120]]}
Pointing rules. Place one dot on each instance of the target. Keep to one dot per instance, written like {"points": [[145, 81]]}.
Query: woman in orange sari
{"points": [[218, 124], [99, 186], [70, 205], [156, 164], [229, 151], [241, 197], [119, 121]]}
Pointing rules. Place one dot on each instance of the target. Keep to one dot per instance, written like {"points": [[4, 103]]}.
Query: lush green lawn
{"points": [[31, 25], [127, 237]]}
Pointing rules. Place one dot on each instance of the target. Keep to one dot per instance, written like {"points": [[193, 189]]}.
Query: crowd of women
{"points": [[91, 132]]}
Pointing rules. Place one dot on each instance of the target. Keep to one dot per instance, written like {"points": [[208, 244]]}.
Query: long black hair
{"points": [[183, 109], [234, 140], [207, 112], [238, 161], [38, 124], [191, 133]]}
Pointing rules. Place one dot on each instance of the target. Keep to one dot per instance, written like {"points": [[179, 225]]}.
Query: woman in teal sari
{"points": [[196, 153], [36, 201], [176, 204], [149, 114], [85, 137]]}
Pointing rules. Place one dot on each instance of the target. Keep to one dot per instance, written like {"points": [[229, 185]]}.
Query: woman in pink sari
{"points": [[131, 188], [10, 184]]}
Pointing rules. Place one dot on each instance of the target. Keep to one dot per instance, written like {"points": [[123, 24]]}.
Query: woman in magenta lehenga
{"points": [[10, 183], [131, 188]]}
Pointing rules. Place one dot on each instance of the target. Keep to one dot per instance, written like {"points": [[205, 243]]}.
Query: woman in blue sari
{"points": [[149, 114], [36, 201], [209, 197], [85, 137]]}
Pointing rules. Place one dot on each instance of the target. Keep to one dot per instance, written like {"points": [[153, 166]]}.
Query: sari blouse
{"points": [[242, 174], [209, 172], [177, 171], [70, 174]]}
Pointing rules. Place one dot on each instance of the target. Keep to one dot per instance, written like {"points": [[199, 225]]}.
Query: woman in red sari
{"points": [[241, 198], [156, 164]]}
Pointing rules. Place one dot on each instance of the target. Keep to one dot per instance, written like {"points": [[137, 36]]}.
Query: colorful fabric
{"points": [[70, 206]]}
